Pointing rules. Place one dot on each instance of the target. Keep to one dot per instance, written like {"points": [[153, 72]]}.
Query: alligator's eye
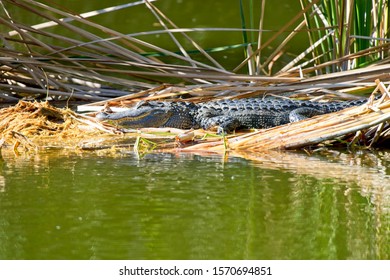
{"points": [[155, 113], [140, 104], [160, 113]]}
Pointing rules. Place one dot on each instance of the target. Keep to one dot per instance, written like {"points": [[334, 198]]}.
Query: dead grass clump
{"points": [[31, 118], [28, 122]]}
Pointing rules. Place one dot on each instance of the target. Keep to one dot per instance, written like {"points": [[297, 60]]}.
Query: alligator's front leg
{"points": [[224, 124], [303, 113]]}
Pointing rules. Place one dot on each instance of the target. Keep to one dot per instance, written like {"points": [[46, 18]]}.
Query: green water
{"points": [[181, 206]]}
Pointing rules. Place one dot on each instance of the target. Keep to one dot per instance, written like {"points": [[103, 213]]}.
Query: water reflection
{"points": [[185, 206]]}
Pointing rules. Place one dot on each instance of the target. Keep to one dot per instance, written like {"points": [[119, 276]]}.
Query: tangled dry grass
{"points": [[34, 125]]}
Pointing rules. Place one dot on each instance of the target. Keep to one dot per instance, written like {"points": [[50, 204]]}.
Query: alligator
{"points": [[225, 115]]}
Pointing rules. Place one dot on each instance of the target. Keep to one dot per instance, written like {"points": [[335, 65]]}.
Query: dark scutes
{"points": [[226, 115]]}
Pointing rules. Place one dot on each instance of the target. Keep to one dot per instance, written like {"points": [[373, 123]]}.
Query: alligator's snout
{"points": [[137, 117]]}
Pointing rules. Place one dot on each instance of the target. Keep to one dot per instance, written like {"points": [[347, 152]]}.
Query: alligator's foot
{"points": [[223, 124], [221, 131]]}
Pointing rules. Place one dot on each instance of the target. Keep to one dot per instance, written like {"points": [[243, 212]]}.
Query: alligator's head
{"points": [[144, 114], [149, 114]]}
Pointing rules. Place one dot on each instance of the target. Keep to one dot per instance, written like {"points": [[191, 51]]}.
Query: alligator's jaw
{"points": [[137, 117]]}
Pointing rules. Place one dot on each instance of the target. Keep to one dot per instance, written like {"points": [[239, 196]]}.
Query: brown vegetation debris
{"points": [[36, 121]]}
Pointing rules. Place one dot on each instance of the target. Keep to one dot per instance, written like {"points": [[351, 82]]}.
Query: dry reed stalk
{"points": [[113, 64]]}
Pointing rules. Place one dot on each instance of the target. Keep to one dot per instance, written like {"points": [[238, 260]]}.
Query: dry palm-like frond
{"points": [[98, 63], [86, 66]]}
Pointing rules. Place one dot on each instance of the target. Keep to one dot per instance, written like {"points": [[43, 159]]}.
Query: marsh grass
{"points": [[356, 27]]}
